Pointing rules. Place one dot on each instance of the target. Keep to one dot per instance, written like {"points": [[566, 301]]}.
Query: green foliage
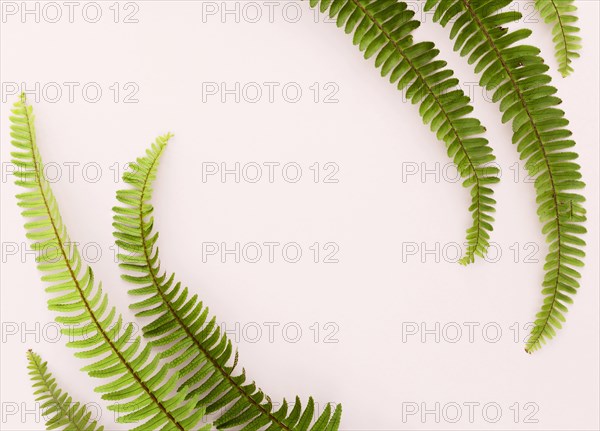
{"points": [[517, 76], [139, 384], [195, 372], [195, 344], [383, 28], [143, 389], [561, 14], [58, 406]]}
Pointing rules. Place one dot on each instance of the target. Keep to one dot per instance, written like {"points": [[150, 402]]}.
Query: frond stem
{"points": [[562, 30]]}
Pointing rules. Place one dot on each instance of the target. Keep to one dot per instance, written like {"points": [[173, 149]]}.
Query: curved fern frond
{"points": [[57, 406], [139, 385], [517, 75], [195, 344], [384, 28], [561, 15]]}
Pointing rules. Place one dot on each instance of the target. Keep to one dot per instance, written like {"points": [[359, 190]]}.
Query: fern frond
{"points": [[196, 346], [139, 384], [384, 28], [561, 15], [57, 406], [517, 76]]}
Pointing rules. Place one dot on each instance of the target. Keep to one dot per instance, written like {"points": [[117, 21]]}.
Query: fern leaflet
{"points": [[517, 75], [561, 13], [57, 405], [384, 28], [196, 344], [140, 385]]}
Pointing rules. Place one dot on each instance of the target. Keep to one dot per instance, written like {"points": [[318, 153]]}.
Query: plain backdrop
{"points": [[376, 314]]}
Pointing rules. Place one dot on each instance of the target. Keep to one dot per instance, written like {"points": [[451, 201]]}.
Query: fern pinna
{"points": [[59, 410], [517, 76], [561, 14], [384, 28], [139, 385], [194, 342]]}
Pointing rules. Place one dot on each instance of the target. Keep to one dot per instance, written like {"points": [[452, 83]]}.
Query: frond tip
{"points": [[383, 28], [58, 408], [561, 14], [194, 344]]}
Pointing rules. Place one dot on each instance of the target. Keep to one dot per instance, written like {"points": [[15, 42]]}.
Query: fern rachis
{"points": [[384, 27], [194, 340], [142, 386], [517, 76]]}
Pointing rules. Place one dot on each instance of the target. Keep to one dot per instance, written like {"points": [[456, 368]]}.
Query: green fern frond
{"points": [[139, 384], [384, 28], [57, 406], [561, 14], [197, 347], [517, 75]]}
